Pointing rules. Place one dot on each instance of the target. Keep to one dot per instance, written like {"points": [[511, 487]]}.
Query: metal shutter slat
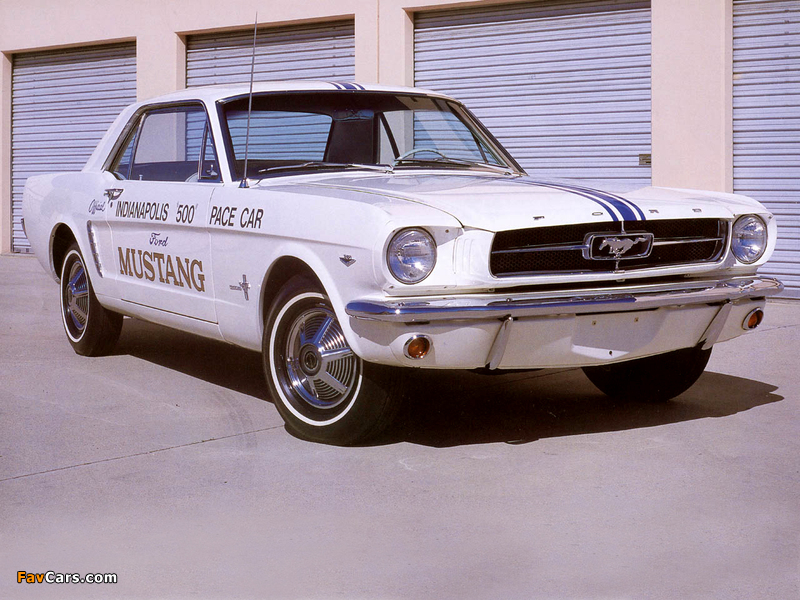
{"points": [[766, 121], [564, 85], [62, 104], [324, 51], [298, 52]]}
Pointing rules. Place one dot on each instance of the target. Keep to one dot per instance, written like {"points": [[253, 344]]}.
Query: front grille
{"points": [[564, 249]]}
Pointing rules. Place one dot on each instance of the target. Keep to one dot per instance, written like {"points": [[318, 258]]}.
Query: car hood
{"points": [[500, 202]]}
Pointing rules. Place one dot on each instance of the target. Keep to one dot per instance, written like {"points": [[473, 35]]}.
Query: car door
{"points": [[166, 172]]}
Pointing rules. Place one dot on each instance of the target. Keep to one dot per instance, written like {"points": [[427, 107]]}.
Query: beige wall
{"points": [[5, 153], [693, 94], [159, 28], [692, 111]]}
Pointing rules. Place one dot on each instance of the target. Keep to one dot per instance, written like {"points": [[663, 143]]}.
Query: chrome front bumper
{"points": [[532, 304]]}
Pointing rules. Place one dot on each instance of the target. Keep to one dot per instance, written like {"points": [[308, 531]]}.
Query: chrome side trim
{"points": [[93, 247], [533, 304]]}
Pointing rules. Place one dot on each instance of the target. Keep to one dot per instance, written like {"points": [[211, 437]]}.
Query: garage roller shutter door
{"points": [[565, 86], [298, 52], [62, 104], [766, 121]]}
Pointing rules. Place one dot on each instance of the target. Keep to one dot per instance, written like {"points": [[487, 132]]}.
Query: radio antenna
{"points": [[243, 183]]}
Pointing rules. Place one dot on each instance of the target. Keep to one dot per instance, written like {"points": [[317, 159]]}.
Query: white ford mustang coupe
{"points": [[346, 231]]}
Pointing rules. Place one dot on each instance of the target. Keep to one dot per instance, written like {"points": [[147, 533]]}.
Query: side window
{"points": [[169, 144], [121, 167]]}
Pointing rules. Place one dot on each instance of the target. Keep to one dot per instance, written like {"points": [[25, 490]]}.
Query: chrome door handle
{"points": [[113, 193]]}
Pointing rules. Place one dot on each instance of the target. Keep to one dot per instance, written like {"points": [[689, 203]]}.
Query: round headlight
{"points": [[749, 240], [411, 255]]}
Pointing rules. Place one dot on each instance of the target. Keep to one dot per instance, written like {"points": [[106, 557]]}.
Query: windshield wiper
{"points": [[456, 162], [313, 165], [319, 164]]}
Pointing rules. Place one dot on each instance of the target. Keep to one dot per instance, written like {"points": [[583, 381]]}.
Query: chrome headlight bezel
{"points": [[749, 239], [411, 255]]}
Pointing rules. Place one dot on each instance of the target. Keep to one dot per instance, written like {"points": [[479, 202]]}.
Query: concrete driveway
{"points": [[166, 465]]}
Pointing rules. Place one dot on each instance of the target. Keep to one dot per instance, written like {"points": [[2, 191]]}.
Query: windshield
{"points": [[297, 132]]}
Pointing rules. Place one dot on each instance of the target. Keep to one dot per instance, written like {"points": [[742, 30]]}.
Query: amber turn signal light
{"points": [[417, 346], [753, 319]]}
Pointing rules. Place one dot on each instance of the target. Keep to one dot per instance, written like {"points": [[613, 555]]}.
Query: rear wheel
{"points": [[652, 379], [91, 329], [321, 388]]}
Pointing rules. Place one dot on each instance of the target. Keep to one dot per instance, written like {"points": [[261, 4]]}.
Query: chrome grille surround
{"points": [[574, 249]]}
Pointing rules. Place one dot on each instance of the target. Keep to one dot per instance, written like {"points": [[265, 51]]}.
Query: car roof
{"points": [[213, 93]]}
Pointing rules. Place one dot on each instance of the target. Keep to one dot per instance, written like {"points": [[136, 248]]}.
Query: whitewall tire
{"points": [[91, 329], [321, 388]]}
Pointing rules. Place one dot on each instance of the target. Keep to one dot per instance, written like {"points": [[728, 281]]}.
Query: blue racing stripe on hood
{"points": [[579, 192], [616, 200], [627, 210]]}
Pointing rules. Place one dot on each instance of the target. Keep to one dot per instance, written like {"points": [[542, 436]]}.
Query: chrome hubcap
{"points": [[322, 368], [76, 298], [310, 360]]}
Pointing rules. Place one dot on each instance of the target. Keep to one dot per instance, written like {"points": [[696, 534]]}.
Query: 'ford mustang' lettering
{"points": [[182, 272], [155, 211]]}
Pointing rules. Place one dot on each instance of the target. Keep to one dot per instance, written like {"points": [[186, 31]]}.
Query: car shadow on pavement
{"points": [[460, 408], [452, 408], [216, 362]]}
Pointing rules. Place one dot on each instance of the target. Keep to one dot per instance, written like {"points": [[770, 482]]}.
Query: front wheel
{"points": [[321, 388], [91, 329], [652, 379]]}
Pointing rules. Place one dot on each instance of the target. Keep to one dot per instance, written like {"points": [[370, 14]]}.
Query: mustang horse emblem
{"points": [[619, 246]]}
